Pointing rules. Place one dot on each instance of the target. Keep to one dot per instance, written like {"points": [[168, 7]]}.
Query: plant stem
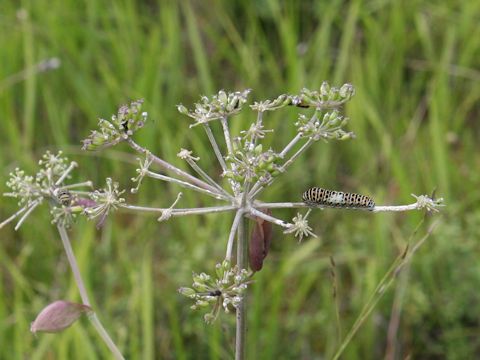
{"points": [[233, 230], [73, 165], [181, 212], [81, 184], [226, 134], [73, 265], [297, 154], [167, 166], [290, 145], [27, 213], [258, 125], [241, 331], [219, 156], [215, 147], [105, 337], [83, 294], [186, 184], [11, 218], [206, 177], [269, 218]]}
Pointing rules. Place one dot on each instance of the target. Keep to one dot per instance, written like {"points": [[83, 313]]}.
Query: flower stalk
{"points": [[241, 315]]}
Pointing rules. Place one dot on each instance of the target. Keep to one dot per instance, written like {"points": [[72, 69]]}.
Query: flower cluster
{"points": [[34, 188], [425, 202], [271, 105], [23, 187], [251, 163], [224, 289], [119, 128], [52, 167], [327, 97], [217, 107], [141, 171], [330, 126], [48, 183], [106, 200], [300, 227]]}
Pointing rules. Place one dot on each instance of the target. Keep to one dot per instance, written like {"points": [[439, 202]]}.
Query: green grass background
{"points": [[416, 67]]}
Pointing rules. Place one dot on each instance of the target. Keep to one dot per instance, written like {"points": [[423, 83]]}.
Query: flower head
{"points": [[106, 200], [224, 289], [300, 227], [217, 107], [119, 128]]}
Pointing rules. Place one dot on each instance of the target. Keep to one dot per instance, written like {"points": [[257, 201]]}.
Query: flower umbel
{"points": [[47, 183], [327, 97], [330, 127], [300, 227], [141, 171], [425, 202], [217, 107], [106, 200], [224, 289], [119, 128]]}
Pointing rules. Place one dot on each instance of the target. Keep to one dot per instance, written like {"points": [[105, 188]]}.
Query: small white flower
{"points": [[425, 202], [300, 227]]}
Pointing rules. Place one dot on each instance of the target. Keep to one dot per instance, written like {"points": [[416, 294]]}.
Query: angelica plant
{"points": [[248, 167]]}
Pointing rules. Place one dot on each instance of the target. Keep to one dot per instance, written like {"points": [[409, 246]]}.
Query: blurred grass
{"points": [[416, 68]]}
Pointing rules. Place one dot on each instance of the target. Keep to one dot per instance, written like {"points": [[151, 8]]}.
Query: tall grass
{"points": [[416, 68]]}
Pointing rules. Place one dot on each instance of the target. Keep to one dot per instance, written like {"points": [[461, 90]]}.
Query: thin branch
{"points": [[241, 313], [226, 134], [280, 205], [233, 231], [28, 212], [255, 190], [11, 218], [219, 156], [104, 335], [385, 208], [297, 154], [167, 166], [269, 218], [73, 265], [290, 145], [215, 147], [188, 185], [259, 122], [206, 177], [182, 212], [73, 165], [72, 186]]}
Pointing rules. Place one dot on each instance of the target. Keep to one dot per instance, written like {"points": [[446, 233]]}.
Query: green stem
{"points": [[241, 332]]}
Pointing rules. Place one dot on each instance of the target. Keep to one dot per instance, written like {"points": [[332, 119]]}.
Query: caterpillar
{"points": [[64, 197], [319, 196]]}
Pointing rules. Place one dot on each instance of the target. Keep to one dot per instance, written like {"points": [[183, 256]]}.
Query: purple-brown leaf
{"points": [[58, 316], [260, 242]]}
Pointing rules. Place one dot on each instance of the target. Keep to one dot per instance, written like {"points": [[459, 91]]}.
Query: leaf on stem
{"points": [[260, 242], [58, 316]]}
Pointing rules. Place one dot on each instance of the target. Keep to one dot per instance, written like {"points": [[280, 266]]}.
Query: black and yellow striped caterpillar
{"points": [[319, 196], [63, 196]]}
